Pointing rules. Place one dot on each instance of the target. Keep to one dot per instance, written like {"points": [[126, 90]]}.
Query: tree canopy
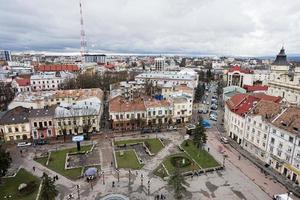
{"points": [[200, 136], [5, 161], [48, 192], [178, 184]]}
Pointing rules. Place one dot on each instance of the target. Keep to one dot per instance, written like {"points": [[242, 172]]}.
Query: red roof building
{"points": [[242, 103], [238, 68], [57, 67], [23, 81], [255, 88]]}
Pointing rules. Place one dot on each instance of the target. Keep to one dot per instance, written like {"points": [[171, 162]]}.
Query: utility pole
{"points": [[78, 191], [83, 45]]}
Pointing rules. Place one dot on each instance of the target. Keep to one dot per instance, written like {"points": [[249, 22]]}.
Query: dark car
{"points": [[146, 130], [156, 130]]}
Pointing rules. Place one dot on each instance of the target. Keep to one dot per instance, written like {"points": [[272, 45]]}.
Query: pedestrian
{"points": [[33, 168], [208, 149], [56, 177], [239, 157], [111, 163], [113, 184], [21, 152]]}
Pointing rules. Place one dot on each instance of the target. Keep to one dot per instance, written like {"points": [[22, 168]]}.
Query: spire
{"points": [[281, 58]]}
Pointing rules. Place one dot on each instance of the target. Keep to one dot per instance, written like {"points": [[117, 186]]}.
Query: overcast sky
{"points": [[222, 27]]}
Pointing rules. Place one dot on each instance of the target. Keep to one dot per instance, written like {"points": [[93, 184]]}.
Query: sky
{"points": [[218, 27]]}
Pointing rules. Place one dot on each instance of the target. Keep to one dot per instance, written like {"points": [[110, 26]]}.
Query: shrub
{"points": [[29, 189], [177, 161]]}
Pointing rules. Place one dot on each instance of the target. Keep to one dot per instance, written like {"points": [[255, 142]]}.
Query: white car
{"points": [[172, 128], [224, 140], [24, 144], [282, 197]]}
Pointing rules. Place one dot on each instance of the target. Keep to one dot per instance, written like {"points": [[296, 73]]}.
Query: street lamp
{"points": [[103, 181], [78, 192], [118, 175], [129, 177], [224, 157], [148, 187], [142, 180], [288, 197]]}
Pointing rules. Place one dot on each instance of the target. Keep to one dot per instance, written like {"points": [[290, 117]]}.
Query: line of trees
{"points": [[96, 80], [199, 92], [7, 94]]}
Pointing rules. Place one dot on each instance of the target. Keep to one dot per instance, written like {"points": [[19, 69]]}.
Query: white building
{"points": [[49, 80], [182, 107], [236, 76], [185, 76], [160, 64], [284, 82]]}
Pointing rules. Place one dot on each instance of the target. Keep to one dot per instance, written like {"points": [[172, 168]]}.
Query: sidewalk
{"points": [[290, 186]]}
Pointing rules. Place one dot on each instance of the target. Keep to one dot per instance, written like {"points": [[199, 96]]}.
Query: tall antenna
{"points": [[83, 46]]}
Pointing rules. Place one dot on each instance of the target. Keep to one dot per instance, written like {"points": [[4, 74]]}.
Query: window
{"points": [[248, 128], [149, 113], [117, 116], [127, 116], [280, 145], [132, 116], [45, 123], [279, 153], [50, 123], [23, 128], [59, 123], [34, 134], [254, 122], [291, 139], [34, 124], [272, 140], [49, 132], [16, 129], [74, 122], [160, 112], [69, 122], [94, 121], [282, 135], [274, 131], [260, 125], [265, 136], [266, 127], [143, 115]]}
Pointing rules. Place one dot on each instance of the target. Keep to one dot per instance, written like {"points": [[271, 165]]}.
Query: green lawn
{"points": [[57, 162], [202, 157], [41, 160], [128, 160], [11, 185], [154, 144]]}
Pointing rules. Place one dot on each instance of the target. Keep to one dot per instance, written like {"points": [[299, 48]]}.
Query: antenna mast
{"points": [[83, 46]]}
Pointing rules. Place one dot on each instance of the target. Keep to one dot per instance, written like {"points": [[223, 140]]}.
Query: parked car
{"points": [[24, 144], [282, 197], [146, 130], [157, 130], [214, 107], [205, 111], [200, 111], [172, 128], [207, 103], [213, 118], [224, 140]]}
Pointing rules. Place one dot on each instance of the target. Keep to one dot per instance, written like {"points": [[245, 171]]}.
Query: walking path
{"points": [[266, 183]]}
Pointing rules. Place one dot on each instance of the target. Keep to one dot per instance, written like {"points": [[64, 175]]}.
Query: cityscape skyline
{"points": [[184, 27]]}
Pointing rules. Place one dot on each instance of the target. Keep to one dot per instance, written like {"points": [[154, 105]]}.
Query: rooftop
{"points": [[119, 104], [44, 112], [253, 88], [238, 68], [289, 120], [243, 103], [17, 115], [281, 58], [57, 67], [157, 103], [23, 81]]}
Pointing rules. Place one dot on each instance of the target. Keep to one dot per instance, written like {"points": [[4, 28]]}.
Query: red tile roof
{"points": [[238, 68], [242, 103], [119, 104], [23, 81], [252, 88], [57, 67]]}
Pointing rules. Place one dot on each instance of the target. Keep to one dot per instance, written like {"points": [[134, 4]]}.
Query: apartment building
{"points": [[49, 80], [127, 115], [42, 122], [160, 78], [159, 112], [14, 124], [41, 99]]}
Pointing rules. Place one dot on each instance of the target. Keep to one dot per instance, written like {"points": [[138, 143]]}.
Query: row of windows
{"points": [[10, 129], [43, 82], [75, 122], [42, 124]]}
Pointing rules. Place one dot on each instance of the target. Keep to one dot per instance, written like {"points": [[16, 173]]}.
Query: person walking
{"points": [[33, 168]]}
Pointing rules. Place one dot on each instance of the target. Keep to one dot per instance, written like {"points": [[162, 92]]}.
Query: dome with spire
{"points": [[281, 58]]}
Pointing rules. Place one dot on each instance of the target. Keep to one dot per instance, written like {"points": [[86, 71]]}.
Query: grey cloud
{"points": [[232, 27]]}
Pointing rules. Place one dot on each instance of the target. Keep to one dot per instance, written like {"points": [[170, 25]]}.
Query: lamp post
{"points": [[78, 191], [103, 181], [148, 187], [288, 197], [129, 174], [224, 157], [142, 177], [118, 175]]}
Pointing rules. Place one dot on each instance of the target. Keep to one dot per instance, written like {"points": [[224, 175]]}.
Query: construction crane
{"points": [[83, 44]]}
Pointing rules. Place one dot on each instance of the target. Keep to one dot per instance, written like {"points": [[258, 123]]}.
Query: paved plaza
{"points": [[239, 180]]}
